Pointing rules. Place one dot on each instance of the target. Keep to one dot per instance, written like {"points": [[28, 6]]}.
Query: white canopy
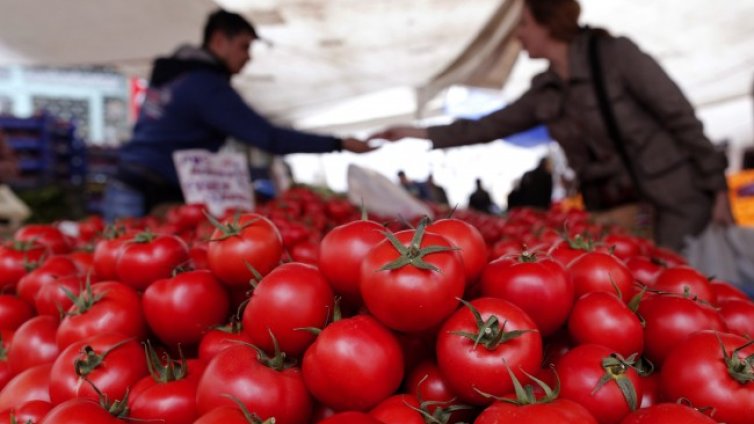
{"points": [[327, 53]]}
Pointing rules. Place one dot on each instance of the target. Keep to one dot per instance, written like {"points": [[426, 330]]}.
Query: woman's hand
{"points": [[399, 132], [355, 145]]}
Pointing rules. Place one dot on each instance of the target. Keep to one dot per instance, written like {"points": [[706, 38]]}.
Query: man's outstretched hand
{"points": [[356, 146]]}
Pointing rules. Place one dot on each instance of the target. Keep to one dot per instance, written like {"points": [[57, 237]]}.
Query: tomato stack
{"points": [[305, 311]]}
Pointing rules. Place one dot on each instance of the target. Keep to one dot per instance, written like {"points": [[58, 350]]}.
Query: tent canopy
{"points": [[325, 53]]}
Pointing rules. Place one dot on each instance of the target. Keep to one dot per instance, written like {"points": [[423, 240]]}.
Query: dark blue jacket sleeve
{"points": [[224, 109]]}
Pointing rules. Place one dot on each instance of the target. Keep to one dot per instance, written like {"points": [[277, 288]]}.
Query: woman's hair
{"points": [[561, 17]]}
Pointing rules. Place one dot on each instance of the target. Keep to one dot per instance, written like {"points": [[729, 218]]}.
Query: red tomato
{"points": [[106, 254], [409, 283], [268, 392], [148, 258], [670, 319], [252, 240], [50, 270], [712, 369], [667, 257], [644, 269], [169, 394], [181, 309], [667, 413], [398, 409], [52, 298], [425, 382], [291, 297], [16, 260], [5, 373], [724, 291], [468, 239], [80, 411], [227, 415], [28, 413], [651, 390], [604, 319], [623, 246], [738, 315], [539, 286], [358, 346], [103, 307], [566, 250], [46, 235], [306, 251], [508, 336], [596, 271], [33, 344], [13, 312], [559, 411], [341, 253], [186, 217], [31, 384], [218, 339], [350, 417], [580, 371], [682, 279], [109, 361]]}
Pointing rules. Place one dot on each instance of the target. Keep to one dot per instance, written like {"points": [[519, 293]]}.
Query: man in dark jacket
{"points": [[191, 104]]}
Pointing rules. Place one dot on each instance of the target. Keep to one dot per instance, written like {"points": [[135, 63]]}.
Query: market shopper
{"points": [[8, 161], [626, 128], [191, 104]]}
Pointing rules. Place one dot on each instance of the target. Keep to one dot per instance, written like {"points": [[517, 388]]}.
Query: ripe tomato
{"points": [[168, 395], [179, 310], [33, 344], [738, 315], [410, 283], [50, 270], [16, 260], [218, 339], [682, 279], [103, 307], [291, 297], [398, 409], [508, 336], [559, 411], [350, 417], [539, 286], [604, 319], [109, 361], [597, 271], [154, 256], [229, 415], [341, 253], [13, 312], [46, 235], [622, 245], [670, 319], [468, 239], [644, 269], [5, 373], [27, 413], [712, 369], [31, 384], [667, 413], [239, 371], [251, 240], [724, 291], [80, 411], [358, 346], [52, 298], [582, 371], [106, 254]]}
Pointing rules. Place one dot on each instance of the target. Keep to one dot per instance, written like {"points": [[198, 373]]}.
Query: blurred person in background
{"points": [[534, 189], [481, 200], [8, 161], [191, 104], [436, 193], [627, 129]]}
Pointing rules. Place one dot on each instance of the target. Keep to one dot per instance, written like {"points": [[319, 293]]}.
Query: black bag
{"points": [[614, 190]]}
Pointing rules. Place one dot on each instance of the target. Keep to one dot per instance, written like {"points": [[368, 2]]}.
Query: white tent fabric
{"points": [[327, 52]]}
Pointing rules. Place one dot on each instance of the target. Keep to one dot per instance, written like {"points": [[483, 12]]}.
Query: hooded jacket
{"points": [[190, 104]]}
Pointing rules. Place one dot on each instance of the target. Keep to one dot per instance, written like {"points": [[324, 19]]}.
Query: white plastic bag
{"points": [[726, 253], [12, 208], [382, 196]]}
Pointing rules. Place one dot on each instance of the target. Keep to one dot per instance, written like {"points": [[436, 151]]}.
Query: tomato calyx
{"points": [[491, 333], [231, 229], [144, 237], [3, 350], [278, 361], [117, 408], [741, 369], [168, 369], [413, 254], [704, 410], [92, 360], [615, 367], [527, 257], [250, 417], [84, 301], [580, 242], [443, 410]]}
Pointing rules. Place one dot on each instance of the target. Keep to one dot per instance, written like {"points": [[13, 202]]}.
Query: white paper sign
{"points": [[221, 181]]}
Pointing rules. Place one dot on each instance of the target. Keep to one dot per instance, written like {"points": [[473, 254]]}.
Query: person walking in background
{"points": [[535, 187], [436, 193], [191, 104], [412, 187], [627, 129], [481, 200]]}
